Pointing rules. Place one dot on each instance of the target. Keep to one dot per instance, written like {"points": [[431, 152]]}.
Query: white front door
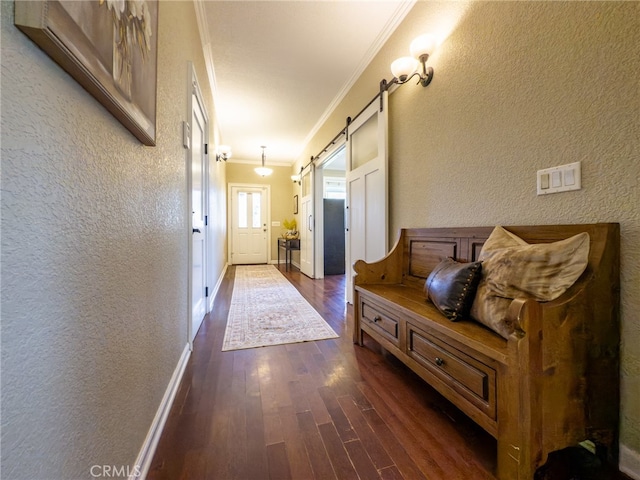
{"points": [[367, 189], [307, 220], [248, 225], [198, 167]]}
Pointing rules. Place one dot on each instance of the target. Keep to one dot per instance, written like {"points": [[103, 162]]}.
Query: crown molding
{"points": [[404, 7]]}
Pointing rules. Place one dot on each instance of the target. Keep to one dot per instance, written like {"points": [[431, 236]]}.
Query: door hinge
{"points": [[206, 149], [206, 291]]}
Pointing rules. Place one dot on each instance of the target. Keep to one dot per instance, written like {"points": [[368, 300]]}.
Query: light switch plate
{"points": [[559, 179]]}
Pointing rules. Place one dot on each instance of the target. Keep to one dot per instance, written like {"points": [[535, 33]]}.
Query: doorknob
{"points": [[196, 230]]}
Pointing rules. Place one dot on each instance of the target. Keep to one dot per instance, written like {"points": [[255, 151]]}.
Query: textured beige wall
{"points": [[94, 258], [281, 195], [520, 86]]}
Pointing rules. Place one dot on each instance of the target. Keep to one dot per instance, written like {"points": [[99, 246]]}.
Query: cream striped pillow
{"points": [[513, 268]]}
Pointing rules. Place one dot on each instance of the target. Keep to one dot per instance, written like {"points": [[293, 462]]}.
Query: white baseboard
{"points": [[629, 462], [214, 292], [145, 457]]}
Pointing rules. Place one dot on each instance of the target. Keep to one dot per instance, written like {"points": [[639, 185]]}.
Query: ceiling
{"points": [[278, 68]]}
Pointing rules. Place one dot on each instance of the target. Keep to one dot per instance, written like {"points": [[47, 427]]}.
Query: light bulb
{"points": [[403, 67], [422, 45]]}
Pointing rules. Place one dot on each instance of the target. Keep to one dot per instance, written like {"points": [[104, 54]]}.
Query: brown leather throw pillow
{"points": [[451, 287]]}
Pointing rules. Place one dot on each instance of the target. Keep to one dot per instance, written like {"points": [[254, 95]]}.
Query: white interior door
{"points": [[367, 188], [198, 167], [307, 221], [249, 232]]}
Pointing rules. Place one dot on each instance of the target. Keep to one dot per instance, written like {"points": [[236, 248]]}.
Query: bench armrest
{"points": [[387, 270]]}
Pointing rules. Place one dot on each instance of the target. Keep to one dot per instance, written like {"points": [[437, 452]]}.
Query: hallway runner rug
{"points": [[268, 310]]}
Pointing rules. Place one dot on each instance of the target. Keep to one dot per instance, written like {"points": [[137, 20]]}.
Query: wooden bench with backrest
{"points": [[551, 383]]}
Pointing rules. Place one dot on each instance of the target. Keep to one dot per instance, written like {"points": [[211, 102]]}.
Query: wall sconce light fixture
{"points": [[223, 152], [405, 68], [263, 171], [296, 179]]}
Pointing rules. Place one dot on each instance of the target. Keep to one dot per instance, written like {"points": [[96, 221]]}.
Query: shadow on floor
{"points": [[576, 463]]}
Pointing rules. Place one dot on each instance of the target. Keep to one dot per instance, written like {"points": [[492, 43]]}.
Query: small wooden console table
{"points": [[289, 245]]}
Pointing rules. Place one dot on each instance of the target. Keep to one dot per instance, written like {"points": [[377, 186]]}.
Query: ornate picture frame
{"points": [[110, 47], [295, 204]]}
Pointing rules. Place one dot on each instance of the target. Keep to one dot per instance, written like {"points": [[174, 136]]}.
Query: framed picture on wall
{"points": [[295, 204], [110, 48]]}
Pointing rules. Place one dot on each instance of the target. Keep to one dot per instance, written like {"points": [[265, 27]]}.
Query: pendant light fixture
{"points": [[263, 171]]}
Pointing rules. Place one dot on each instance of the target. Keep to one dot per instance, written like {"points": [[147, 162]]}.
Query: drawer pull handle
{"points": [[439, 361], [376, 319]]}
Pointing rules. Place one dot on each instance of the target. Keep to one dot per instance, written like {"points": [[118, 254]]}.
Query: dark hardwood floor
{"points": [[315, 410]]}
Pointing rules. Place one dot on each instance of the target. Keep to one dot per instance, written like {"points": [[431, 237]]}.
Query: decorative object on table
{"points": [[291, 229], [108, 46], [268, 310]]}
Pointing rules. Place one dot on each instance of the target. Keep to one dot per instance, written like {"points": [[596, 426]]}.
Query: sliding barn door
{"points": [[367, 188], [307, 223]]}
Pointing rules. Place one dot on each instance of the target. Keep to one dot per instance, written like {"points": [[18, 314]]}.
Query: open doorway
{"points": [[331, 182]]}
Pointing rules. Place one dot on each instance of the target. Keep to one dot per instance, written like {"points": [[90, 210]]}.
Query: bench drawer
{"points": [[379, 320], [467, 376]]}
